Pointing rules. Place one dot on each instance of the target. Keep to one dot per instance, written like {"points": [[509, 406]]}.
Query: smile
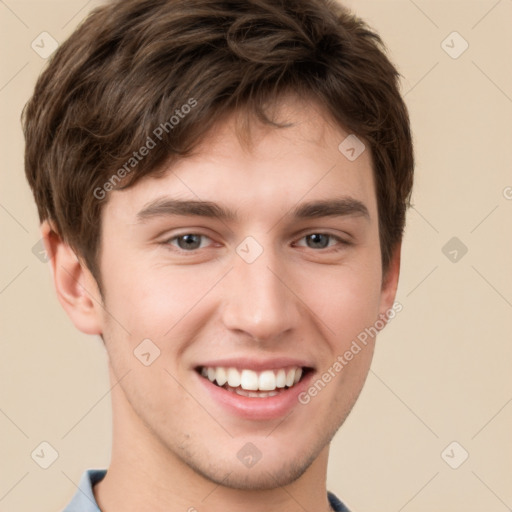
{"points": [[250, 383]]}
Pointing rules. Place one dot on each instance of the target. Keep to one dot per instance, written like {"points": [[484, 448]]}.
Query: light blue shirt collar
{"points": [[84, 500]]}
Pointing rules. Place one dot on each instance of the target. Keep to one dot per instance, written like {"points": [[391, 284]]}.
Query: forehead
{"points": [[269, 169]]}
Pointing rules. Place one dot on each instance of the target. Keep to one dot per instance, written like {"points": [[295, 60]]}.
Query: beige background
{"points": [[442, 368]]}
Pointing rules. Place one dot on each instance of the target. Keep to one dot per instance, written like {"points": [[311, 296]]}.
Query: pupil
{"points": [[319, 240], [189, 241]]}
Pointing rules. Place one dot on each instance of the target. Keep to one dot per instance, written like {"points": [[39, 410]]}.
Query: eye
{"points": [[188, 241], [321, 240]]}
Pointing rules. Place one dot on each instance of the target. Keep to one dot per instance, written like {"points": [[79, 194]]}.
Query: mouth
{"points": [[255, 384]]}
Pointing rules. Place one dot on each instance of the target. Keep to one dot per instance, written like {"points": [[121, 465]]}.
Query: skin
{"points": [[173, 447]]}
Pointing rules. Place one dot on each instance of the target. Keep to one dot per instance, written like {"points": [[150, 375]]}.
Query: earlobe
{"points": [[76, 288], [390, 283]]}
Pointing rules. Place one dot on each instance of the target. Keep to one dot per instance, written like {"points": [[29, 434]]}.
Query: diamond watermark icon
{"points": [[146, 352], [44, 455], [249, 455], [249, 250], [44, 45], [454, 45], [454, 455], [351, 147], [454, 249], [39, 251]]}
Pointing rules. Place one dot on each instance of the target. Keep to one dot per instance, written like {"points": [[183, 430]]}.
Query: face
{"points": [[258, 265]]}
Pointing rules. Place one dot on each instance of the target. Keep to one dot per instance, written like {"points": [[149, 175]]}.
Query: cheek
{"points": [[345, 299], [152, 301]]}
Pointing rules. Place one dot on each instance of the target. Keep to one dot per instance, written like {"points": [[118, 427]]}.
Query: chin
{"points": [[262, 476], [271, 468]]}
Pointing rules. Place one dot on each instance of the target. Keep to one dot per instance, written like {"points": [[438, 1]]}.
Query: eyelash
{"points": [[343, 243]]}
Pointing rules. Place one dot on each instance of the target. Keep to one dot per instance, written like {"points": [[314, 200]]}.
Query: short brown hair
{"points": [[132, 65]]}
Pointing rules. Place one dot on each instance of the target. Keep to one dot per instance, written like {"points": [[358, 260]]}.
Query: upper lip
{"points": [[256, 364]]}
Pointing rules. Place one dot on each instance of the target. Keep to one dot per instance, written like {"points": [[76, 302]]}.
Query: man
{"points": [[222, 187]]}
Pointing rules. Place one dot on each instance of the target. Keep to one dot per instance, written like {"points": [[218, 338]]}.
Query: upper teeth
{"points": [[267, 380]]}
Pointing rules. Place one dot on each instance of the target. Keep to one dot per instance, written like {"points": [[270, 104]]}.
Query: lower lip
{"points": [[254, 408]]}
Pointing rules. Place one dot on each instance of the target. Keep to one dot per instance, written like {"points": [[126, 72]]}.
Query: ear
{"points": [[390, 283], [76, 288]]}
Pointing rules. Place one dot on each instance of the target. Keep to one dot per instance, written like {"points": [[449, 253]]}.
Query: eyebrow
{"points": [[339, 207]]}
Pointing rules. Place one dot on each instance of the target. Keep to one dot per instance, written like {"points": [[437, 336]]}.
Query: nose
{"points": [[259, 300]]}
